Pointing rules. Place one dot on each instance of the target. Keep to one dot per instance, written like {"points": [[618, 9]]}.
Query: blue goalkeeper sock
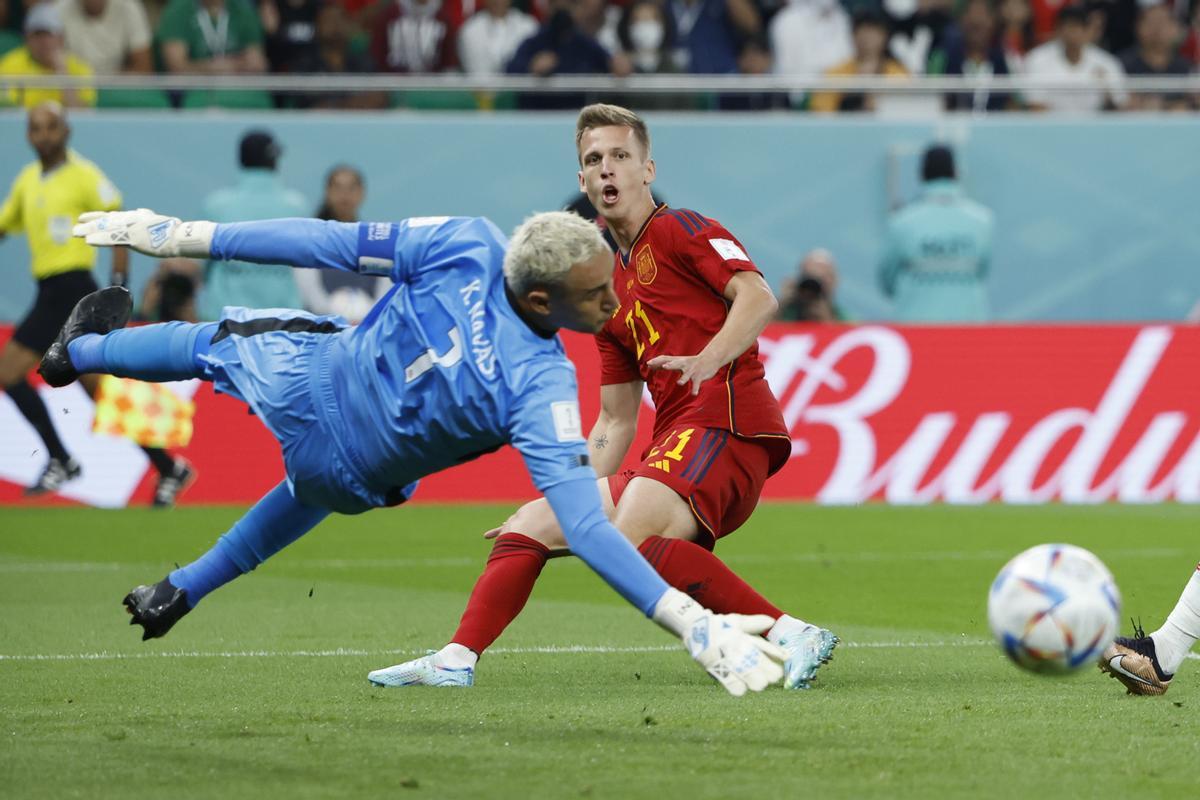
{"points": [[168, 351], [275, 521]]}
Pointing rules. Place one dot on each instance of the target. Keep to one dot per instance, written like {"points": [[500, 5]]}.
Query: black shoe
{"points": [[99, 312], [156, 608], [56, 473], [172, 485]]}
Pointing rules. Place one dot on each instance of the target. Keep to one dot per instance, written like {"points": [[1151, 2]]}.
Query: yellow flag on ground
{"points": [[148, 413]]}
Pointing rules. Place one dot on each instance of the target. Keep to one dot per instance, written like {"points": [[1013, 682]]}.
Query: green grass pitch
{"points": [[262, 690]]}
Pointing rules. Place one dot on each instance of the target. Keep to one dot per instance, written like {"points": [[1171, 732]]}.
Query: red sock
{"points": [[501, 591], [690, 568]]}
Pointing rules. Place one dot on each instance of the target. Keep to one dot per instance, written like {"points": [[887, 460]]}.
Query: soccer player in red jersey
{"points": [[692, 305]]}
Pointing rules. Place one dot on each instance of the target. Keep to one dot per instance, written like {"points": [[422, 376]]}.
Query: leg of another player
{"points": [[657, 519], [17, 361], [522, 545], [1179, 633], [277, 520]]}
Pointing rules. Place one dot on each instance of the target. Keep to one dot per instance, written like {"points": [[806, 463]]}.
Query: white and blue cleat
{"points": [[807, 649], [428, 670]]}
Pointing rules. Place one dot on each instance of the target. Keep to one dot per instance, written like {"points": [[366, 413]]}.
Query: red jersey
{"points": [[671, 287]]}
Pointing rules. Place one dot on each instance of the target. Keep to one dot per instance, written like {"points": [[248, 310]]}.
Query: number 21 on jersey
{"points": [[638, 315]]}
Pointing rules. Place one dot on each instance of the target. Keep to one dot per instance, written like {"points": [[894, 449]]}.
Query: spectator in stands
{"points": [[599, 19], [810, 295], [1190, 49], [870, 31], [1156, 53], [754, 58], [331, 291], [290, 30], [488, 40], [334, 56], [710, 33], [259, 194], [646, 35], [417, 36], [45, 53], [1111, 23], [809, 37], [215, 37], [10, 37], [112, 36], [972, 48], [917, 30], [561, 47], [648, 40], [1071, 58], [938, 249], [1016, 32]]}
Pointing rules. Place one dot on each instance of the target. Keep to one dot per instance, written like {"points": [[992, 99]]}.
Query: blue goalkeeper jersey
{"points": [[442, 369]]}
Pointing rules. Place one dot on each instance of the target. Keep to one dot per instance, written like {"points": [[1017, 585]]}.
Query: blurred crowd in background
{"points": [[1094, 43]]}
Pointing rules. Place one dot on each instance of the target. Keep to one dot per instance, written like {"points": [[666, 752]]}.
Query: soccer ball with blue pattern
{"points": [[1054, 608]]}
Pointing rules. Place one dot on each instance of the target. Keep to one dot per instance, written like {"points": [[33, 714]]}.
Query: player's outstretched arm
{"points": [[298, 242], [727, 646]]}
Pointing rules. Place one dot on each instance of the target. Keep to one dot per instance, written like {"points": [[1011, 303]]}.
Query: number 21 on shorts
{"points": [[680, 439]]}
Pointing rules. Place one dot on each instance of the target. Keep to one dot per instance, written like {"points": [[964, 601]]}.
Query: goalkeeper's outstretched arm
{"points": [[298, 242], [728, 647]]}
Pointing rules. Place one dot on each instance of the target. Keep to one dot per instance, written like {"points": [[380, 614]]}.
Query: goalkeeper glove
{"points": [[728, 646], [146, 232]]}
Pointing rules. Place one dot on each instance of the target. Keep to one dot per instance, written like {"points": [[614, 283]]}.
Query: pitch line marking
{"points": [[344, 652], [464, 561], [547, 650]]}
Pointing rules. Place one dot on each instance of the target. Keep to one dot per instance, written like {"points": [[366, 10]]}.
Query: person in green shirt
{"points": [[258, 194], [938, 250], [217, 37]]}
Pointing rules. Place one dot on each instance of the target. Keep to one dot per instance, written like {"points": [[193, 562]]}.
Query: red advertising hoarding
{"points": [[1018, 414]]}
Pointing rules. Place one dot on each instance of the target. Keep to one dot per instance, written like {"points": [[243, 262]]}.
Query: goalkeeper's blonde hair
{"points": [[545, 246], [600, 115]]}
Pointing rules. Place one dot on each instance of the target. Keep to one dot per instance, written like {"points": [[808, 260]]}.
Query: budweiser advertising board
{"points": [[1020, 414]]}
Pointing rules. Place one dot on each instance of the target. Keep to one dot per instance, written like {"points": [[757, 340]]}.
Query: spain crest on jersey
{"points": [[646, 268]]}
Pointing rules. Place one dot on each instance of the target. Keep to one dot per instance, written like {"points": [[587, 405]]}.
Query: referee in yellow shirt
{"points": [[46, 199]]}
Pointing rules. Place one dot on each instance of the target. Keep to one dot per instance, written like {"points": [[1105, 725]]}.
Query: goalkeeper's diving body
{"points": [[459, 358]]}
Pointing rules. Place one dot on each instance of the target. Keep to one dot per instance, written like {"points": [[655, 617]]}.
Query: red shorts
{"points": [[720, 476]]}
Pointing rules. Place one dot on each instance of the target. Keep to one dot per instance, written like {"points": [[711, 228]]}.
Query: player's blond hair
{"points": [[600, 115], [545, 246]]}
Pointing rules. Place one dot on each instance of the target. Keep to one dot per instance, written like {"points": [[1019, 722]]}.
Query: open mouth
{"points": [[609, 194]]}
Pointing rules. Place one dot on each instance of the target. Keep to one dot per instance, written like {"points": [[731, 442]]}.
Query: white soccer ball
{"points": [[1054, 608]]}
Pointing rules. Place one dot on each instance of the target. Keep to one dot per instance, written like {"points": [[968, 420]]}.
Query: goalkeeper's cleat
{"points": [[1134, 662], [428, 670], [56, 473], [156, 607], [807, 649], [99, 312]]}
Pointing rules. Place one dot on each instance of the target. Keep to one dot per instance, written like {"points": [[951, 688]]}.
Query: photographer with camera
{"points": [[808, 296]]}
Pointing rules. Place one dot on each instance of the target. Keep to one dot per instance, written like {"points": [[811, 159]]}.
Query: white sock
{"points": [[1181, 630], [455, 656], [783, 626]]}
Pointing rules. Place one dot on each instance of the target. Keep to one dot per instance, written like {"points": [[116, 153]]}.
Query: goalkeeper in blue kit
{"points": [[459, 358]]}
